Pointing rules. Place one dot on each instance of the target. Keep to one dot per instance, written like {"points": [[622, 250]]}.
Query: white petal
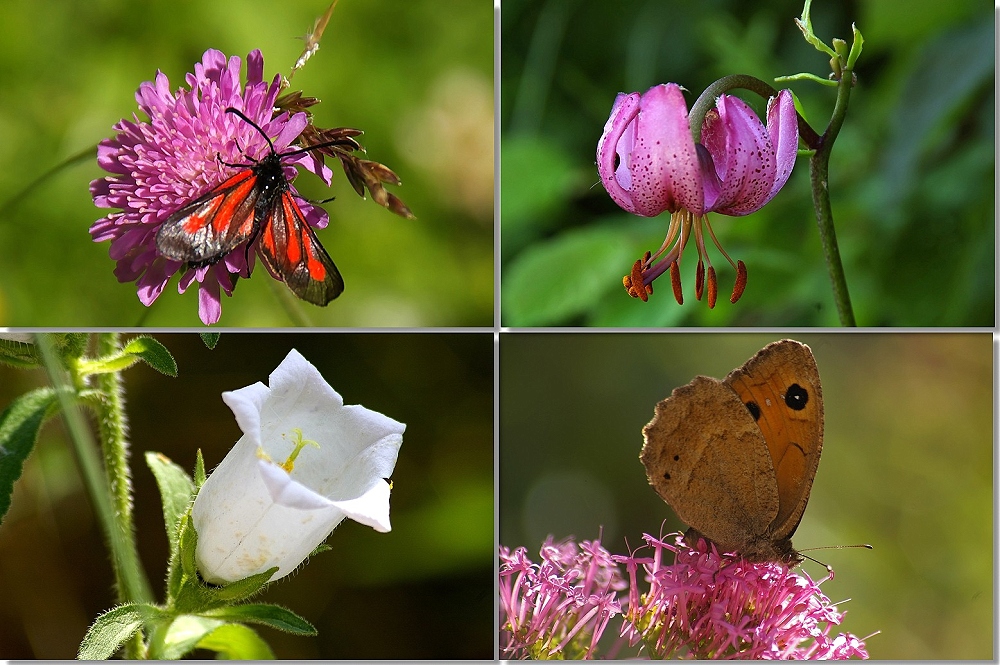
{"points": [[371, 508], [246, 404], [286, 492]]}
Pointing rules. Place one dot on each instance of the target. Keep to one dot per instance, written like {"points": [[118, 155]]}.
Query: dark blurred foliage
{"points": [[423, 591], [911, 177], [907, 466], [416, 76]]}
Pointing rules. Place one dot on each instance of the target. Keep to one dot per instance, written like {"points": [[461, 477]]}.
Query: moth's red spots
{"points": [[230, 203], [292, 253], [196, 221], [316, 269]]}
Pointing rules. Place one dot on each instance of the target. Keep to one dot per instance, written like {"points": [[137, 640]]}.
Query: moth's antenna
{"points": [[253, 124]]}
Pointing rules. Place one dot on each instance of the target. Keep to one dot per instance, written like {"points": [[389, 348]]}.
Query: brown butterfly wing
{"points": [[780, 387], [704, 455]]}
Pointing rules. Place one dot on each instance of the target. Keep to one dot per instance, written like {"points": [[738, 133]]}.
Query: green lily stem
{"points": [[818, 167], [706, 101], [132, 585]]}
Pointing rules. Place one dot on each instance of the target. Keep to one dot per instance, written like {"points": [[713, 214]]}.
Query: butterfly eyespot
{"points": [[666, 476], [676, 457], [754, 410], [796, 397]]}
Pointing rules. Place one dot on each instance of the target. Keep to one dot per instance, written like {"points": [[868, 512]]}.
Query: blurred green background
{"points": [[907, 466], [911, 176], [426, 590], [416, 76]]}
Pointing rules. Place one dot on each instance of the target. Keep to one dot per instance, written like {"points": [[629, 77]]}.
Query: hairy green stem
{"points": [[131, 582], [113, 429], [818, 167]]}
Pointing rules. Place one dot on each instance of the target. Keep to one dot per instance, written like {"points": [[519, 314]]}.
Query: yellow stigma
{"points": [[300, 443]]}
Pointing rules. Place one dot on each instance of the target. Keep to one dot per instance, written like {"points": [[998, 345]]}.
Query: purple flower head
{"points": [[561, 605], [649, 164], [159, 166], [704, 605]]}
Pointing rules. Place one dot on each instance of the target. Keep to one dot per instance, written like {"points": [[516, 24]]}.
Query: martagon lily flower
{"points": [[304, 463], [649, 164]]}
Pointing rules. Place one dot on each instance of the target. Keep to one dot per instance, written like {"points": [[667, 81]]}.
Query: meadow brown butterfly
{"points": [[735, 459]]}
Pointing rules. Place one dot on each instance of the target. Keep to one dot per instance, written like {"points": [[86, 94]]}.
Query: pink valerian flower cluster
{"points": [[704, 605], [649, 164], [561, 605], [159, 165]]}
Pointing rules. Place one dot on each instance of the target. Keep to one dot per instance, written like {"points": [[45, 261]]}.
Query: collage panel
{"points": [[653, 144], [393, 229], [577, 373], [906, 430], [409, 574]]}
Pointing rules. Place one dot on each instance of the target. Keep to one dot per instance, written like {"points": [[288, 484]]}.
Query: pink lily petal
{"points": [[658, 167]]}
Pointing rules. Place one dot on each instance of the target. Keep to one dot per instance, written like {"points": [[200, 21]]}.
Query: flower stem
{"points": [[113, 429], [706, 101], [819, 167], [85, 155], [131, 582]]}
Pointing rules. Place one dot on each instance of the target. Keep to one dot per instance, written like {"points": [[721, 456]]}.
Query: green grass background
{"points": [[911, 176], [416, 76], [907, 465]]}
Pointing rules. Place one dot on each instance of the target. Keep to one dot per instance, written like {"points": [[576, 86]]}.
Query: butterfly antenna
{"points": [[253, 124], [829, 570], [837, 547]]}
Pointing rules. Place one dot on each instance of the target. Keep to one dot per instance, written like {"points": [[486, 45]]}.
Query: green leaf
{"points": [[19, 425], [856, 47], [539, 180], [210, 339], [322, 547], [552, 282], [805, 25], [18, 354], [199, 471], [176, 489], [111, 629], [265, 614], [183, 636], [243, 589], [233, 641], [153, 353]]}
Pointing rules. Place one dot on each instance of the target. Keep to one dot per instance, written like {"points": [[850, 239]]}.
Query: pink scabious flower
{"points": [[159, 165], [704, 606], [561, 605], [649, 164]]}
